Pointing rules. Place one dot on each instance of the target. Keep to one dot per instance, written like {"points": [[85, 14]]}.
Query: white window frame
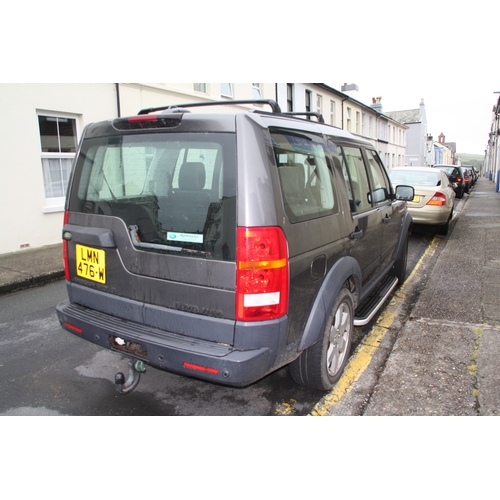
{"points": [[226, 90], [332, 112], [256, 91], [200, 87], [319, 104], [56, 204]]}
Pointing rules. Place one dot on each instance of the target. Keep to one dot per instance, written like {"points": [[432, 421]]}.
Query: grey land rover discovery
{"points": [[226, 245]]}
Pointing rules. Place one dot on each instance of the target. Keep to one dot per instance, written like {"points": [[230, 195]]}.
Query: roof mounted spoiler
{"points": [[176, 108]]}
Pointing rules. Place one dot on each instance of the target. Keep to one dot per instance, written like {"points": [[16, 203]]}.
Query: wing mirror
{"points": [[405, 193]]}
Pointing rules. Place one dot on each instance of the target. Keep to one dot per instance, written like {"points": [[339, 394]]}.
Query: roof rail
{"points": [[319, 116], [270, 102]]}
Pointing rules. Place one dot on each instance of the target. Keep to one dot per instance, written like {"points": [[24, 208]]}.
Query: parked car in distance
{"points": [[474, 172], [434, 195], [456, 176], [468, 178]]}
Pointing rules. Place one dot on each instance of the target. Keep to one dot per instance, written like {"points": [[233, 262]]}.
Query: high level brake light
{"points": [[142, 118], [439, 199], [262, 280]]}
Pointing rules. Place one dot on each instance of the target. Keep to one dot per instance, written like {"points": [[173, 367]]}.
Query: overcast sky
{"points": [[460, 108], [442, 51]]}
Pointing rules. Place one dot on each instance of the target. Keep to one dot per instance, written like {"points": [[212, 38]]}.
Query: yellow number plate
{"points": [[416, 199], [91, 263]]}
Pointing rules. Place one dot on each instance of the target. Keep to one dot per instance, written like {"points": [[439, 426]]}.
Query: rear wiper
{"points": [[136, 240]]}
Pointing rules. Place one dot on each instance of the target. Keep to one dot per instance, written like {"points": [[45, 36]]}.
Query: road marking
{"points": [[362, 356]]}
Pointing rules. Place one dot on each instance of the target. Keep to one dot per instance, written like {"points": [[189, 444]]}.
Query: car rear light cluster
{"points": [[439, 199], [262, 280]]}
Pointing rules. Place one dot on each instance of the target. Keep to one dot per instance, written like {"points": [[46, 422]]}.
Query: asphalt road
{"points": [[46, 371]]}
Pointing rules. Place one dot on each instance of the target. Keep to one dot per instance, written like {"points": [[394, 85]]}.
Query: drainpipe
{"points": [[117, 86]]}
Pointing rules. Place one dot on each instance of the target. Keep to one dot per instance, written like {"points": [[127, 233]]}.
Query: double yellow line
{"points": [[364, 353]]}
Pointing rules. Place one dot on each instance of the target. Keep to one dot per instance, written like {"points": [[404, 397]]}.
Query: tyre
{"points": [[443, 230], [400, 266], [321, 365]]}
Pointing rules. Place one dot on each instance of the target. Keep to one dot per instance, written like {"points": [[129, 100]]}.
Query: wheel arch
{"points": [[346, 270]]}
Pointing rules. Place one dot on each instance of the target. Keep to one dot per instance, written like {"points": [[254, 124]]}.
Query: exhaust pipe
{"points": [[135, 369]]}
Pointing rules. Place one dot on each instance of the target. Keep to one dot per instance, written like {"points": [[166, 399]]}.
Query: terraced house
{"points": [[43, 124]]}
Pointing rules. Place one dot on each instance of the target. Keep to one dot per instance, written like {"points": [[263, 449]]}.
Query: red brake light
{"points": [[200, 368], [73, 327], [459, 179], [262, 274], [438, 199], [142, 118]]}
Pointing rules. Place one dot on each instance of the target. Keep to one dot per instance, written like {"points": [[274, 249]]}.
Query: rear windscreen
{"points": [[175, 192]]}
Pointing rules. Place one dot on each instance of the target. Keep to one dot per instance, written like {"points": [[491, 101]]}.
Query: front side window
{"points": [[305, 179], [174, 192], [58, 143]]}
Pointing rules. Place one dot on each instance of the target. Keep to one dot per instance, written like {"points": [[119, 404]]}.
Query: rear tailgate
{"points": [[150, 229]]}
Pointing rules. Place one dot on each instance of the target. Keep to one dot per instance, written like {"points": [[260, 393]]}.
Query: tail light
{"points": [[439, 199], [262, 280], [459, 179], [65, 250]]}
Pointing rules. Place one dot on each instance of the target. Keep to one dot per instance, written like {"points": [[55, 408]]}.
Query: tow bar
{"points": [[135, 369]]}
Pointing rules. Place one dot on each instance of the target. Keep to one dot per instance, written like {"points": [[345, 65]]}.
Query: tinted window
{"points": [[305, 179], [178, 189], [381, 187], [356, 178]]}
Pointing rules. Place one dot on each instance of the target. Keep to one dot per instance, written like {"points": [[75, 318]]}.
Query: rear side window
{"points": [[356, 178], [305, 177], [381, 189], [175, 192]]}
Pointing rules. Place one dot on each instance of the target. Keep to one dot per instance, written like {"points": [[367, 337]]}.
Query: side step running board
{"points": [[367, 310]]}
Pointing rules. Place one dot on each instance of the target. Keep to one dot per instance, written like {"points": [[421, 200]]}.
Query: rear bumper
{"points": [[428, 215], [165, 350]]}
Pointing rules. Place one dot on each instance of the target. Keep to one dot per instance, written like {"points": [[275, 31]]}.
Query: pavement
{"points": [[31, 267], [446, 358], [441, 359]]}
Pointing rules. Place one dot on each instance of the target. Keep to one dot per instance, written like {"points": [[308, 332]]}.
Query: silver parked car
{"points": [[434, 195]]}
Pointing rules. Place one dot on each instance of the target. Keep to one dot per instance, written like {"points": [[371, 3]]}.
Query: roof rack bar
{"points": [[270, 102], [319, 116]]}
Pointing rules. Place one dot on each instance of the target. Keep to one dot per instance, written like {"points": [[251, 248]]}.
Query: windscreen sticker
{"points": [[185, 237]]}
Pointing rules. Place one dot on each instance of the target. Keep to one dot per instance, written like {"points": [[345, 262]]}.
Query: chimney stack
{"points": [[377, 104]]}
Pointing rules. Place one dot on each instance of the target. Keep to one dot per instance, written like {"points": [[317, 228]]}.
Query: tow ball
{"points": [[135, 368]]}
